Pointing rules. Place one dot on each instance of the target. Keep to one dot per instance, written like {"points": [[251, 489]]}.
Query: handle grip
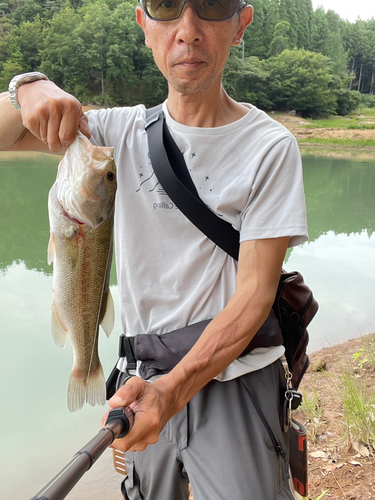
{"points": [[125, 414]]}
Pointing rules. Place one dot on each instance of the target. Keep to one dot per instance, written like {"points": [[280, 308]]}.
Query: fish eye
{"points": [[110, 176]]}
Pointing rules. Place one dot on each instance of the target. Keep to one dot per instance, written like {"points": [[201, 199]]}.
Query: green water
{"points": [[38, 435]]}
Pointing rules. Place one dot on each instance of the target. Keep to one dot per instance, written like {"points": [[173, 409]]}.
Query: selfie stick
{"points": [[118, 424]]}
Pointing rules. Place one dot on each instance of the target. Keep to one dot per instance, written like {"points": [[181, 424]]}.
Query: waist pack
{"points": [[294, 305], [292, 311]]}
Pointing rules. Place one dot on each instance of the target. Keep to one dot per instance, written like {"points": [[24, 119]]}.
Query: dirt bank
{"points": [[337, 463], [297, 126]]}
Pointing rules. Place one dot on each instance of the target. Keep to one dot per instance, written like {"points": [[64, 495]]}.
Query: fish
{"points": [[81, 214]]}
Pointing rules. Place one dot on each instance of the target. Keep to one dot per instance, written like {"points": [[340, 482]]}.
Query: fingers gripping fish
{"points": [[81, 211]]}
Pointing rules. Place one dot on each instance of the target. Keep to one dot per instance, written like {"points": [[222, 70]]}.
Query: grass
{"points": [[357, 393], [347, 143], [367, 112], [319, 497], [313, 407], [354, 121]]}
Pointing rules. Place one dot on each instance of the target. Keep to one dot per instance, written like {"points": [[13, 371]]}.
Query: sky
{"points": [[349, 9]]}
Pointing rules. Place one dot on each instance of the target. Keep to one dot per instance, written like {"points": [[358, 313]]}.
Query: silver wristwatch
{"points": [[19, 80]]}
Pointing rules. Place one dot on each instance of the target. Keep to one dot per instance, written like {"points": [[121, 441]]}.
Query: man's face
{"points": [[191, 53]]}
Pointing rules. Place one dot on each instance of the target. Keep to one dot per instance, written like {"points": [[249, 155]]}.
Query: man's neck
{"points": [[207, 109]]}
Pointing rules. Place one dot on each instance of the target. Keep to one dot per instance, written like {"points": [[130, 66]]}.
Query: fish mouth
{"points": [[65, 214]]}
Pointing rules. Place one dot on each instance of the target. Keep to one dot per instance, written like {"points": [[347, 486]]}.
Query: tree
{"points": [[300, 80], [59, 55], [92, 46], [272, 18], [280, 41], [305, 25], [26, 10], [254, 36], [10, 68], [289, 12], [29, 39], [320, 32], [246, 80], [359, 41]]}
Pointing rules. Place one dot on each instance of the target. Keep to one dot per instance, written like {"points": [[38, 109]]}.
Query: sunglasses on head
{"points": [[208, 10]]}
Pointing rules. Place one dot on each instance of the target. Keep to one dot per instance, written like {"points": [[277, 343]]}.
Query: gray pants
{"points": [[219, 444]]}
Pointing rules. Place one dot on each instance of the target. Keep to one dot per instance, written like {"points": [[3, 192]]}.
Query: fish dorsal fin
{"points": [[58, 332], [51, 250], [108, 321]]}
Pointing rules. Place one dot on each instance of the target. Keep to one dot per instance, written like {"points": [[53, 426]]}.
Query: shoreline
{"points": [[297, 126], [338, 152], [343, 145]]}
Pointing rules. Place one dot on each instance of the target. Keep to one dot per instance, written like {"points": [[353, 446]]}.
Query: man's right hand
{"points": [[51, 115], [51, 118]]}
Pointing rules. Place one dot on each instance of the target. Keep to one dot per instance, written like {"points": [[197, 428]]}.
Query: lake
{"points": [[38, 433]]}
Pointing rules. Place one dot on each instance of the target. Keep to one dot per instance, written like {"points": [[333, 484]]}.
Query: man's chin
{"points": [[190, 86]]}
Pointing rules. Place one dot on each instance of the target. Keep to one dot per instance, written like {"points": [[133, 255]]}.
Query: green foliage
{"points": [[351, 122], [300, 80], [280, 41], [96, 50], [345, 143], [358, 399], [246, 80], [368, 100], [10, 68], [347, 101], [313, 407]]}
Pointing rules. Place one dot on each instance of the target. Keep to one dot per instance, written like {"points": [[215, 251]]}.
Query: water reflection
{"points": [[340, 196], [337, 262], [34, 376], [24, 186], [341, 272]]}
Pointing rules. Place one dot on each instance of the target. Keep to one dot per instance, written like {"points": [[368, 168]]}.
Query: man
{"points": [[195, 423]]}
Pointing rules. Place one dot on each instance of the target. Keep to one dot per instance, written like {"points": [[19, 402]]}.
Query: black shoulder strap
{"points": [[171, 170]]}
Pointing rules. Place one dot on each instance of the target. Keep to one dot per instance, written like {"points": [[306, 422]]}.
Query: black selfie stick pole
{"points": [[118, 424]]}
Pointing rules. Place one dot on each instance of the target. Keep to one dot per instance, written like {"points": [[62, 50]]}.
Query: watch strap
{"points": [[19, 80]]}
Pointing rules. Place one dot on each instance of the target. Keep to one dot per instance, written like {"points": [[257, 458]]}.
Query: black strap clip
{"points": [[126, 350]]}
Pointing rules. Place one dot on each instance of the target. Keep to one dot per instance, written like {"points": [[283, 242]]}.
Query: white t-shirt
{"points": [[169, 273]]}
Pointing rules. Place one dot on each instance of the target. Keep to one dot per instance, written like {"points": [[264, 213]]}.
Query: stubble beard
{"points": [[191, 87], [191, 84]]}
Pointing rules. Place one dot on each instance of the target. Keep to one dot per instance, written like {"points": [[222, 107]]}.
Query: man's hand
{"points": [[152, 404], [51, 115]]}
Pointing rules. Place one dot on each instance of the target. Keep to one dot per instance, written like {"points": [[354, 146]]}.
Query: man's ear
{"points": [[246, 17], [141, 20]]}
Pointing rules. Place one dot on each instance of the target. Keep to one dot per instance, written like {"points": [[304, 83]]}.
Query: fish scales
{"points": [[81, 248]]}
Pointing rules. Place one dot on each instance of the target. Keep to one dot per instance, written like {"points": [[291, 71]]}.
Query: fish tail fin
{"points": [[96, 389], [79, 390]]}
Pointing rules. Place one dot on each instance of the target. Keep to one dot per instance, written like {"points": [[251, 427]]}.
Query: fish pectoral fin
{"points": [[51, 250], [108, 321], [58, 332]]}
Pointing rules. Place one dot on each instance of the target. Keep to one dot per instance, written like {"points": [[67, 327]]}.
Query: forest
{"points": [[291, 57]]}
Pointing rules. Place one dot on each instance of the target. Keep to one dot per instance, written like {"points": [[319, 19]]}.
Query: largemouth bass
{"points": [[81, 211]]}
